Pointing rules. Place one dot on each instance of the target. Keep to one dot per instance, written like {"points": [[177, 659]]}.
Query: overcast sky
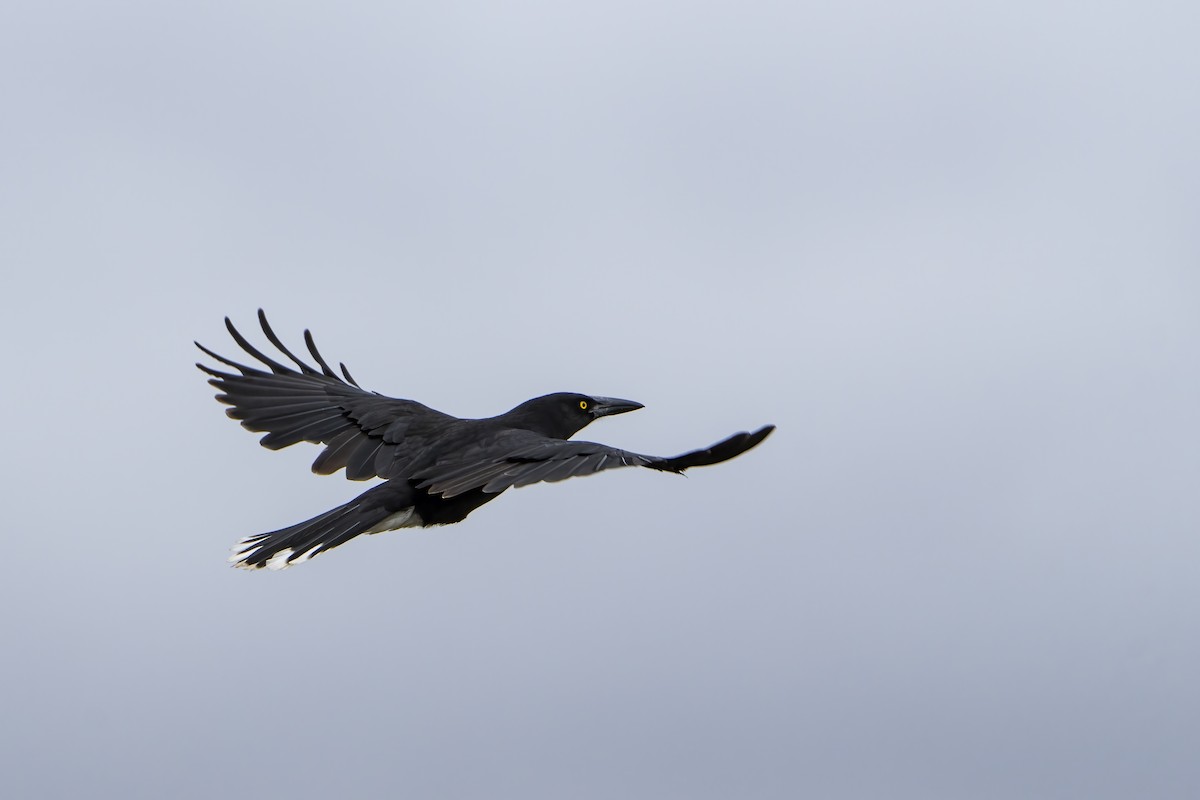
{"points": [[951, 250]]}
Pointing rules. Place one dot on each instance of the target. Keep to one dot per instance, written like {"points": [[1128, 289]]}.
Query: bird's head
{"points": [[564, 414]]}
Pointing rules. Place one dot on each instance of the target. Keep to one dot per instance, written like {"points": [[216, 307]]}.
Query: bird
{"points": [[436, 468]]}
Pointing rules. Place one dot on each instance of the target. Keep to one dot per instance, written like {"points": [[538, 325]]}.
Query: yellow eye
{"points": [[583, 404]]}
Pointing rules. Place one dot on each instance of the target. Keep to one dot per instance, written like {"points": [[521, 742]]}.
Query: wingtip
{"points": [[756, 438]]}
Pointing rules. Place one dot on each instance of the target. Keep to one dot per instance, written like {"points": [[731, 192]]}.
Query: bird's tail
{"points": [[294, 545]]}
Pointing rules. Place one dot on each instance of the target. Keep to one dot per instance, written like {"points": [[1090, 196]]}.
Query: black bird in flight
{"points": [[437, 468]]}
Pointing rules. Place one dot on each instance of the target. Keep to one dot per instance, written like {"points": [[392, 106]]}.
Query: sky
{"points": [[950, 250]]}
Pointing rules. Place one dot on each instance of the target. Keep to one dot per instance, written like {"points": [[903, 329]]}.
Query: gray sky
{"points": [[951, 250]]}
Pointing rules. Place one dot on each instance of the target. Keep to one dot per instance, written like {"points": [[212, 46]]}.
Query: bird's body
{"points": [[437, 468]]}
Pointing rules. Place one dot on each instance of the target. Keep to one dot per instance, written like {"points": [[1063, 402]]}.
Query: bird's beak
{"points": [[606, 406]]}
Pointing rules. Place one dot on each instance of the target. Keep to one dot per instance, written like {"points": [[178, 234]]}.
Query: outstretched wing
{"points": [[519, 458], [365, 432]]}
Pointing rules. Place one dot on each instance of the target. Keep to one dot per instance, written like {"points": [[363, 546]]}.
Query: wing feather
{"points": [[521, 458], [338, 452], [362, 463], [292, 404]]}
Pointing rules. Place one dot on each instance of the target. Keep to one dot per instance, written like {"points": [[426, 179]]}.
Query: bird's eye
{"points": [[583, 404]]}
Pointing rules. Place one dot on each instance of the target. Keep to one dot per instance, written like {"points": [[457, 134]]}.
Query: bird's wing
{"points": [[519, 458], [365, 432]]}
